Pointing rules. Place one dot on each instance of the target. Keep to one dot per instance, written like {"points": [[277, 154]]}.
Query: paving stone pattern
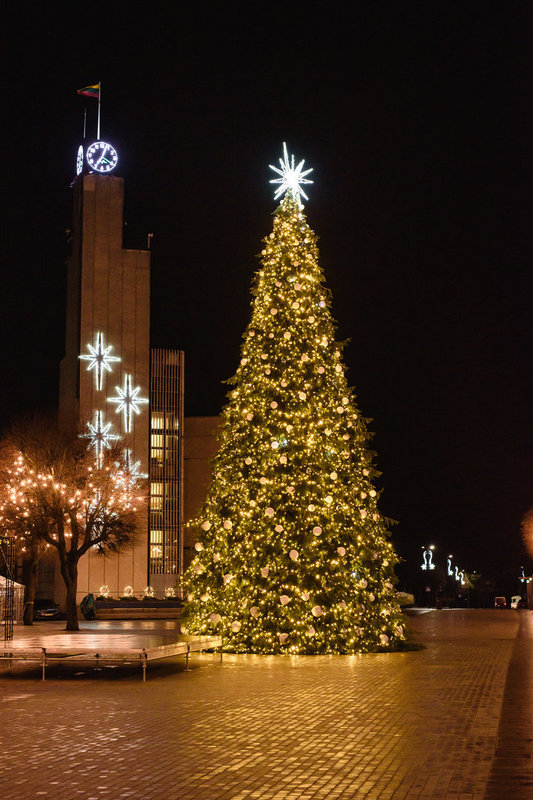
{"points": [[512, 766], [422, 724]]}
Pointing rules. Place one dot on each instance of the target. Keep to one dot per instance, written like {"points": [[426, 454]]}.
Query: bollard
{"points": [[9, 656], [143, 664], [43, 661], [187, 658], [221, 649]]}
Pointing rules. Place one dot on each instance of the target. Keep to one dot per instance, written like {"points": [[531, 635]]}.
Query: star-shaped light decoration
{"points": [[291, 177], [128, 401], [131, 470], [99, 359], [100, 436]]}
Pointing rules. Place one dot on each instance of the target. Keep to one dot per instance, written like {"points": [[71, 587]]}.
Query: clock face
{"points": [[102, 157], [79, 160]]}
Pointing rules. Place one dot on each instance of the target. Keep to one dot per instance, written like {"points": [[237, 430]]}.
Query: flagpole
{"points": [[99, 98], [84, 123]]}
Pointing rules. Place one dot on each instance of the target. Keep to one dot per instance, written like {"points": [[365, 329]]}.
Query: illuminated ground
{"points": [[424, 724]]}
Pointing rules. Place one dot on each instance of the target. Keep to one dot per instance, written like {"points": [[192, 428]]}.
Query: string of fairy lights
{"points": [[29, 493]]}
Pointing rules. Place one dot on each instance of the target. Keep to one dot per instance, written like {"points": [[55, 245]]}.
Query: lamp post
{"points": [[428, 565], [528, 581], [427, 557]]}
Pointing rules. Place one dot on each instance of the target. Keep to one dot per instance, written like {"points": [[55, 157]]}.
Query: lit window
{"points": [[157, 440]]}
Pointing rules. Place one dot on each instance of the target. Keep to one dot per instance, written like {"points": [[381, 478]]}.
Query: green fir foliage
{"points": [[293, 555]]}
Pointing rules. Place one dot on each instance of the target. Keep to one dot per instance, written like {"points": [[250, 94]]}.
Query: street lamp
{"points": [[427, 566], [460, 576], [427, 557], [523, 578]]}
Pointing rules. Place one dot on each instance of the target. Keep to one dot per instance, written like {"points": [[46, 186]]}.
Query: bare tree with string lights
{"points": [[55, 495]]}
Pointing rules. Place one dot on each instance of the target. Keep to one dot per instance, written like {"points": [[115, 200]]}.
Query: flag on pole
{"points": [[90, 91]]}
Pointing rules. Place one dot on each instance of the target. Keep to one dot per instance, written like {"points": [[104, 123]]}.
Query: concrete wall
{"points": [[199, 446], [108, 292]]}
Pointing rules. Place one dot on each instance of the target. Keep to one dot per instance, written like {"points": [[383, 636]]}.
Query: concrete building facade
{"points": [[200, 445], [107, 356], [115, 389]]}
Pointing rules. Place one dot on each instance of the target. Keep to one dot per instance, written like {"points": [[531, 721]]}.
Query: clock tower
{"points": [[105, 374]]}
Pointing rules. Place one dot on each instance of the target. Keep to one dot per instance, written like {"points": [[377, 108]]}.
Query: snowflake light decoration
{"points": [[291, 177], [99, 359], [128, 401], [100, 436]]}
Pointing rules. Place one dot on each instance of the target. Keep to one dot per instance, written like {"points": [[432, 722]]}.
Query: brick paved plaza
{"points": [[424, 724]]}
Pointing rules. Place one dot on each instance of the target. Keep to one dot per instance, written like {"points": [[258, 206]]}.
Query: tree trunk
{"points": [[30, 572], [69, 571]]}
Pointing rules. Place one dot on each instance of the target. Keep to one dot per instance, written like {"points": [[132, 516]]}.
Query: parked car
{"points": [[46, 609], [500, 602]]}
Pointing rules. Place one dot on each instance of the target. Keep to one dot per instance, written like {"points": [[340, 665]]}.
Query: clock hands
{"points": [[102, 157]]}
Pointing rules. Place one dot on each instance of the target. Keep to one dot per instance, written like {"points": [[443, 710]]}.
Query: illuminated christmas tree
{"points": [[293, 554]]}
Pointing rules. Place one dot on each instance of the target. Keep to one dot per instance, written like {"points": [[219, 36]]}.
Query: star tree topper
{"points": [[291, 177]]}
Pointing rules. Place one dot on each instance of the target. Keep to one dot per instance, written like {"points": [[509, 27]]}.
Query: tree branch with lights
{"points": [[54, 495]]}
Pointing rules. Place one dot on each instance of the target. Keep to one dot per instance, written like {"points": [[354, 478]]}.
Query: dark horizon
{"points": [[415, 121]]}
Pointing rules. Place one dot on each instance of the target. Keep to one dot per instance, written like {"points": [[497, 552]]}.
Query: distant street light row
{"points": [[453, 571], [524, 578]]}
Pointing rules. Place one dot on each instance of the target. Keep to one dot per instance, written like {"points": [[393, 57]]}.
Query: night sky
{"points": [[416, 118]]}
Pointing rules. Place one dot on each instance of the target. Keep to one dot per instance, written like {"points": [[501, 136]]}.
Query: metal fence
{"points": [[17, 601], [9, 590]]}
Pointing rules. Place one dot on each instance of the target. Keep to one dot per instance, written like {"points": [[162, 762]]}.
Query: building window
{"points": [[166, 396]]}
